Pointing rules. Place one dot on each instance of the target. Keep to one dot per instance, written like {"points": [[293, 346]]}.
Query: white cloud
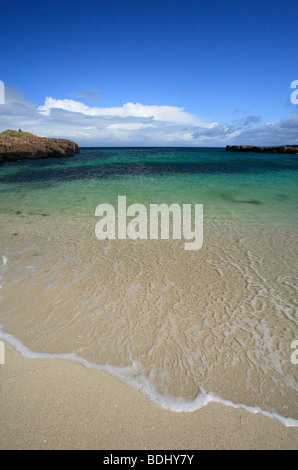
{"points": [[157, 113], [128, 126], [137, 124]]}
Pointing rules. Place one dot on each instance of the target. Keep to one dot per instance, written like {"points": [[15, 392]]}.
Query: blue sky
{"points": [[151, 72]]}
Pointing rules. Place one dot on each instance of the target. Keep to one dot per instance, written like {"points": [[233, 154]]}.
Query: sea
{"points": [[184, 327]]}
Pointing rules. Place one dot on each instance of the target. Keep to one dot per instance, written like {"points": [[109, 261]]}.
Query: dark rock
{"points": [[18, 145], [282, 197], [251, 201], [252, 148], [228, 197]]}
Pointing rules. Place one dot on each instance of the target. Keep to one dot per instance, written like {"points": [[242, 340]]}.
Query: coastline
{"points": [[283, 149], [57, 404], [20, 146]]}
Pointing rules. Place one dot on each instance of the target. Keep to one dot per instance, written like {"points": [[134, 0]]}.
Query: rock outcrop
{"points": [[19, 145], [253, 148]]}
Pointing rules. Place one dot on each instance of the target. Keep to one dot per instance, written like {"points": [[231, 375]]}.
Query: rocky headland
{"points": [[19, 145], [253, 148]]}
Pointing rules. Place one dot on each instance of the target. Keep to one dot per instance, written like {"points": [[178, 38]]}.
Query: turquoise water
{"points": [[232, 186]]}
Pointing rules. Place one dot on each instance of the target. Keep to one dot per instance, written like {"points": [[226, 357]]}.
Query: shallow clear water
{"points": [[232, 186]]}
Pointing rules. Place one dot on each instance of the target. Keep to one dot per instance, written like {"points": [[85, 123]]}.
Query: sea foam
{"points": [[141, 383]]}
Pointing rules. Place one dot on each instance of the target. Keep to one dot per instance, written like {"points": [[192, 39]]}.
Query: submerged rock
{"points": [[19, 145], [228, 197], [282, 197]]}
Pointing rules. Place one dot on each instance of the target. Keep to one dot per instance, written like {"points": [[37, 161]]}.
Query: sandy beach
{"points": [[140, 344], [57, 404]]}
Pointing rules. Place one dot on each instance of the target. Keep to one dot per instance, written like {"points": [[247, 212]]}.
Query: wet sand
{"points": [[63, 292], [175, 324], [57, 404]]}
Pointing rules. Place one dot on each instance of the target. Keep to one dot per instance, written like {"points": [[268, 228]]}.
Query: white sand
{"points": [[57, 404]]}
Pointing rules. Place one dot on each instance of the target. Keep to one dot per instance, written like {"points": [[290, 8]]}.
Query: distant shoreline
{"points": [[293, 149]]}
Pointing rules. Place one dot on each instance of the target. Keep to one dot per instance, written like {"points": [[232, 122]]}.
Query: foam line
{"points": [[127, 375]]}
